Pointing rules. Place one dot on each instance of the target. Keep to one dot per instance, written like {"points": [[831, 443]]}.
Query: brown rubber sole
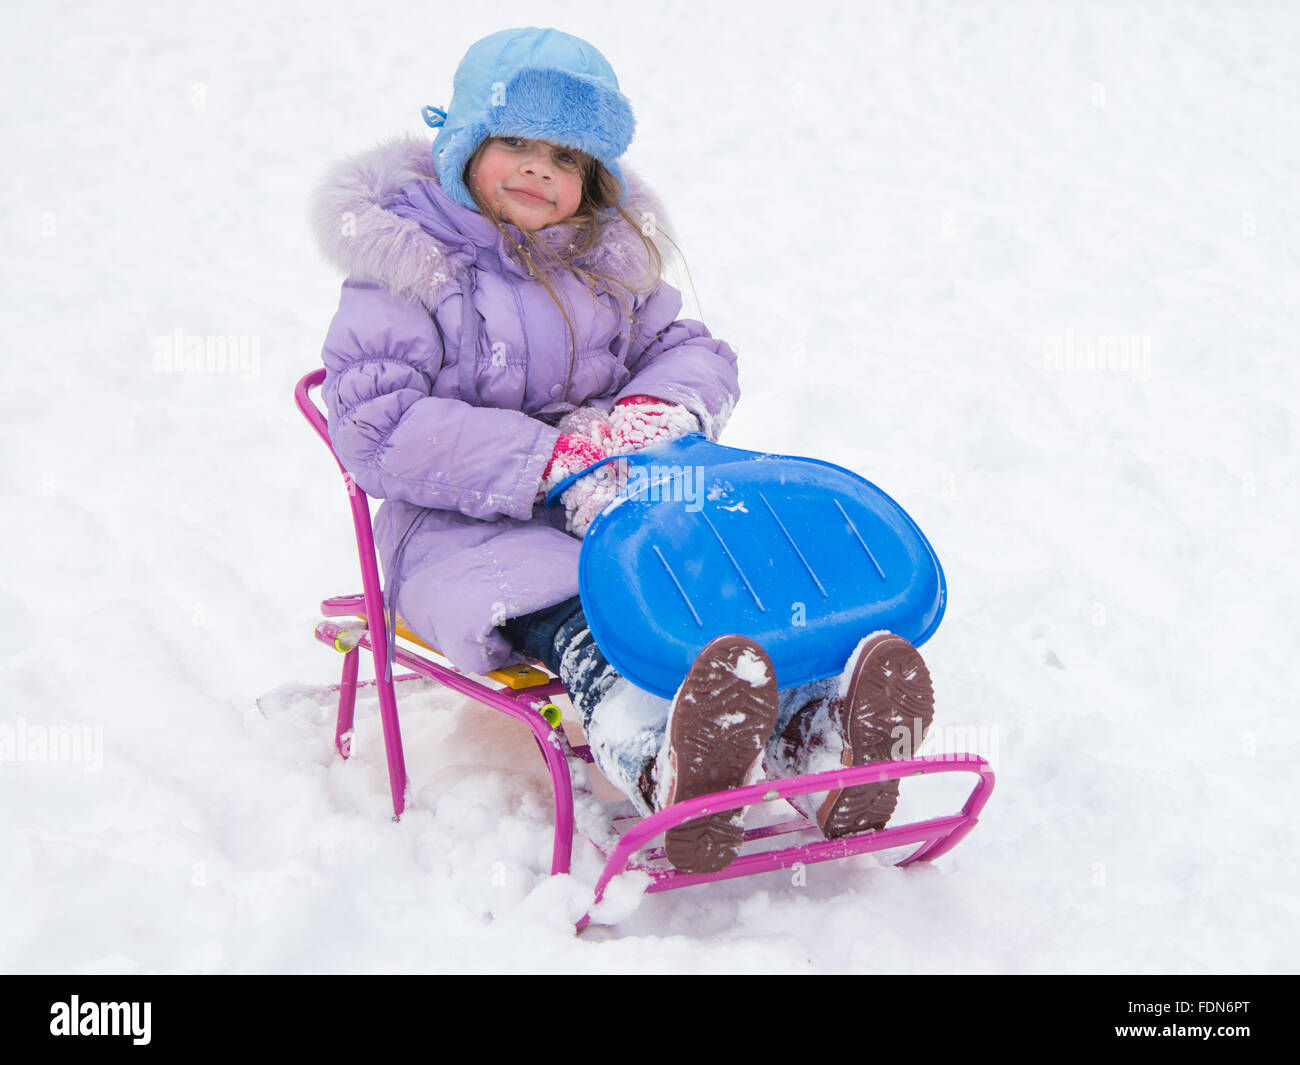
{"points": [[721, 719], [889, 694]]}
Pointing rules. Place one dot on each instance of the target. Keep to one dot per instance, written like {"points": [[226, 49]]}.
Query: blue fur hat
{"points": [[535, 83]]}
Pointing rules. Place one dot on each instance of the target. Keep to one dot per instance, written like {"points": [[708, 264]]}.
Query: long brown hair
{"points": [[601, 205]]}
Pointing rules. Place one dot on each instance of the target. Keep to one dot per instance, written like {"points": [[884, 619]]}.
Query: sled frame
{"points": [[355, 623]]}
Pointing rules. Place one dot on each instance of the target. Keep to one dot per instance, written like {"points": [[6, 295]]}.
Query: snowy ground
{"points": [[920, 224]]}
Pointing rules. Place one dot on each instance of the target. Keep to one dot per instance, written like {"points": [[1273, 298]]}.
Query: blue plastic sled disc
{"points": [[800, 555]]}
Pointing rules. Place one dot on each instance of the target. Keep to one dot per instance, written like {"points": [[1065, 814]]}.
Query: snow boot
{"points": [[719, 722], [884, 707]]}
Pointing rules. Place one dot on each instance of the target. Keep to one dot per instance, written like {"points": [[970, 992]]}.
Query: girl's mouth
{"points": [[528, 197]]}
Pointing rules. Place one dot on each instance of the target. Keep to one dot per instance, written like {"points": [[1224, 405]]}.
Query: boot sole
{"points": [[720, 724], [890, 689]]}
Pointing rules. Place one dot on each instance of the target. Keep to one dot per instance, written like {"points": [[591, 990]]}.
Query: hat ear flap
{"points": [[452, 155]]}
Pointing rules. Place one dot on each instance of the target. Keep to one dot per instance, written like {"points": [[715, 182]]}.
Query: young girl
{"points": [[504, 325]]}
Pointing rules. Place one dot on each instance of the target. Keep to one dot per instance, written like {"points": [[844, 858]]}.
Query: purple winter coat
{"points": [[447, 369]]}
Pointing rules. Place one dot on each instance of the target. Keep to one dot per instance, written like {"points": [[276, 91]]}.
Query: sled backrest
{"points": [[360, 503], [516, 677]]}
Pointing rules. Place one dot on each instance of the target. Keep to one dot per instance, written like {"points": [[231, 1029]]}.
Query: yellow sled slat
{"points": [[513, 677]]}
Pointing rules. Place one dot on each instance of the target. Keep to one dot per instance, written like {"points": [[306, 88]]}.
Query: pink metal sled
{"points": [[353, 623]]}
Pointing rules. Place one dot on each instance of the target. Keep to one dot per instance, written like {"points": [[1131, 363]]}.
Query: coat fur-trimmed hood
{"points": [[357, 232]]}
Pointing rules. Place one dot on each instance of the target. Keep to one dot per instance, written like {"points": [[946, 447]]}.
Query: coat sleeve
{"points": [[382, 355], [679, 360]]}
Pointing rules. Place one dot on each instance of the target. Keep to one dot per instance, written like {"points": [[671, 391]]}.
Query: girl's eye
{"points": [[564, 158]]}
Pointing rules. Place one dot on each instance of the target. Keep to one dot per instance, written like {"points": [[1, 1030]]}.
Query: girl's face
{"points": [[530, 183]]}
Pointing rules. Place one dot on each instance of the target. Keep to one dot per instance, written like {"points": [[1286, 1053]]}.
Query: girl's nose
{"points": [[537, 161]]}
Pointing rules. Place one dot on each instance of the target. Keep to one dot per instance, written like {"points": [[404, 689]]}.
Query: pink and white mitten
{"points": [[638, 422], [589, 495], [591, 422]]}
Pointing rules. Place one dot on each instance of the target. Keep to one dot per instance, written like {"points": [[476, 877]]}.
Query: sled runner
{"points": [[719, 573]]}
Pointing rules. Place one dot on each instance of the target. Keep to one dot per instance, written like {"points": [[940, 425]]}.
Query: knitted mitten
{"points": [[591, 422], [638, 422], [589, 495]]}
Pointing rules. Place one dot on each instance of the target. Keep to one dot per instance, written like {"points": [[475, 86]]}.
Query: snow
{"points": [[1032, 269], [751, 669]]}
